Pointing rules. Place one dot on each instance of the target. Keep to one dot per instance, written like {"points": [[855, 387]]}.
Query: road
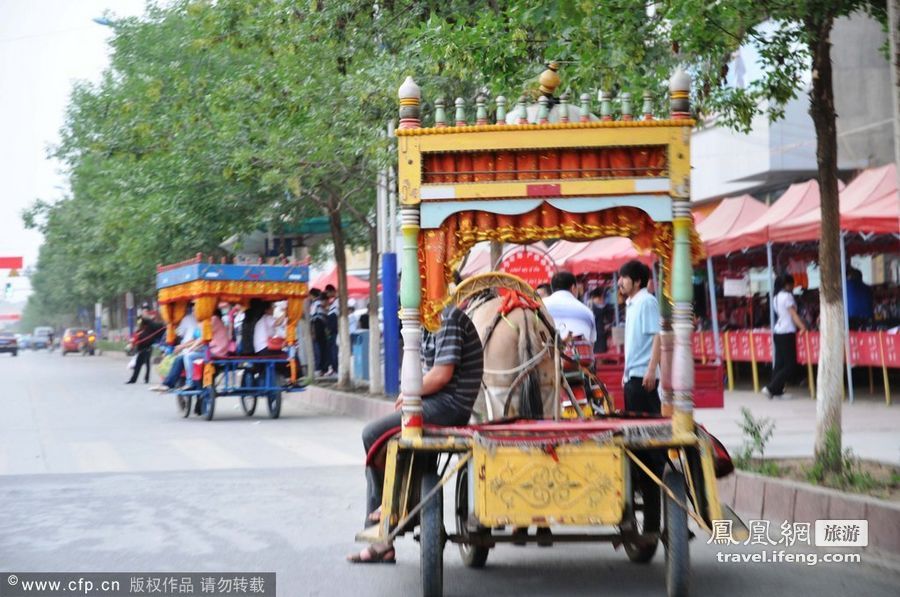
{"points": [[99, 476]]}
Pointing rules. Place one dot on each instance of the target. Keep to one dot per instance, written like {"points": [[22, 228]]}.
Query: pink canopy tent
{"points": [[731, 215], [356, 287], [799, 199], [601, 256], [869, 204]]}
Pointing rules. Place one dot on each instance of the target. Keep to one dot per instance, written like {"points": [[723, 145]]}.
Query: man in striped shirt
{"points": [[453, 363]]}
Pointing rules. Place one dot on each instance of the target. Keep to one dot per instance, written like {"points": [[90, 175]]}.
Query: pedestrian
{"points": [[860, 303], [573, 319], [331, 329], [454, 361], [787, 322], [145, 336], [603, 318], [641, 339]]}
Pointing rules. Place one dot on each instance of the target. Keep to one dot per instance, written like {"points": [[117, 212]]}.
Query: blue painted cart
{"points": [[249, 377]]}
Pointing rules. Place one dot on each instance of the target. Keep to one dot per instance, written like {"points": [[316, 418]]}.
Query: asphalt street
{"points": [[99, 476]]}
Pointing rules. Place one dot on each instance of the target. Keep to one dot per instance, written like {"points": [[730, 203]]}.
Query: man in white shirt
{"points": [[573, 318], [787, 322]]}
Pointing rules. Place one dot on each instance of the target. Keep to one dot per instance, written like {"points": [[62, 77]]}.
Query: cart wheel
{"points": [[248, 403], [184, 405], [473, 556], [678, 564], [644, 518], [274, 402], [431, 538], [274, 398], [209, 403]]}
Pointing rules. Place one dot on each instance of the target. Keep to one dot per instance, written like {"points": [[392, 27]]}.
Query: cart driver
{"points": [[454, 362]]}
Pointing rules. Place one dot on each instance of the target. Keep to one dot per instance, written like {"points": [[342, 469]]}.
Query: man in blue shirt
{"points": [[641, 339], [859, 300]]}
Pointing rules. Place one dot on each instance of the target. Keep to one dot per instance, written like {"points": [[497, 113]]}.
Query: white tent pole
{"points": [[714, 308], [847, 358]]}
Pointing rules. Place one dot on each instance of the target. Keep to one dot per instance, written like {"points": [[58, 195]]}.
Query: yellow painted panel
{"points": [[584, 485]]}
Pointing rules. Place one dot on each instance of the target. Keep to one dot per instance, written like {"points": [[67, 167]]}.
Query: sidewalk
{"points": [[870, 427]]}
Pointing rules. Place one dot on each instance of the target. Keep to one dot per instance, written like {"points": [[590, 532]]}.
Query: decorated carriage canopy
{"points": [[549, 170], [207, 284]]}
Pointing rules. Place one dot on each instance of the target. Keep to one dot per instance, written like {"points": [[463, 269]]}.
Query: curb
{"points": [[767, 498], [358, 406]]}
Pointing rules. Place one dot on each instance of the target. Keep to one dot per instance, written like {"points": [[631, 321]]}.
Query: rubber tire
{"points": [[432, 538], [248, 404], [184, 405], [678, 561], [15, 353], [273, 401], [643, 554], [208, 410], [473, 556]]}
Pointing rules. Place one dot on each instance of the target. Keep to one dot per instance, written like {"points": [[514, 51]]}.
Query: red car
{"points": [[8, 343], [78, 340]]}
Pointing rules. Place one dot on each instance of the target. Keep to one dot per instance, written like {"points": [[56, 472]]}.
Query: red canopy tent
{"points": [[799, 199], [869, 204], [602, 256], [731, 215], [356, 288]]}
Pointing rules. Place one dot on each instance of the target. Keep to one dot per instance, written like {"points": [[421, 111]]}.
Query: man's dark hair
{"points": [[854, 274], [546, 287], [315, 293], [598, 292], [637, 271], [562, 281], [330, 288]]}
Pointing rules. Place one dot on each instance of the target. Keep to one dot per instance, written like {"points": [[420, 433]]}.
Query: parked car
{"points": [[78, 340], [42, 337], [24, 341], [8, 343]]}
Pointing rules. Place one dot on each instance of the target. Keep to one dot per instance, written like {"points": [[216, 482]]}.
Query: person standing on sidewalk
{"points": [[146, 335], [641, 339], [787, 322]]}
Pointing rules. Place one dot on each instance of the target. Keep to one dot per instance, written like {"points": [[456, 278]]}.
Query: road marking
{"points": [[208, 454], [315, 452], [97, 457]]}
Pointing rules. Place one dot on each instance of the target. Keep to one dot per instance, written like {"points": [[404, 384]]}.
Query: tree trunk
{"points": [[831, 327], [496, 253], [340, 259], [376, 382]]}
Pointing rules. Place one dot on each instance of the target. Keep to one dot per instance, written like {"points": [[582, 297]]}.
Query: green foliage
{"points": [[757, 433], [840, 469]]}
